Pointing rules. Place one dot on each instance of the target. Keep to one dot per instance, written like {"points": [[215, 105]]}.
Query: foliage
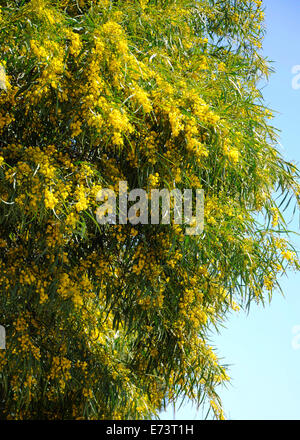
{"points": [[112, 321]]}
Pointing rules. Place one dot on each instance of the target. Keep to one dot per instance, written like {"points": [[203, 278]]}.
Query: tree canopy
{"points": [[113, 321]]}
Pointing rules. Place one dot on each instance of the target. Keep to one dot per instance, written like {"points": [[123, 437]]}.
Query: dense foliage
{"points": [[112, 321]]}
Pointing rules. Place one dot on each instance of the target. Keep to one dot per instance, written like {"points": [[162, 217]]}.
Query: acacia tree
{"points": [[112, 321]]}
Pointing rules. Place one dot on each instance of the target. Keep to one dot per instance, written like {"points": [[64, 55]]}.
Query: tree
{"points": [[112, 321]]}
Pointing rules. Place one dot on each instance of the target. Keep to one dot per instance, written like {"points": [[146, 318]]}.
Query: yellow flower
{"points": [[50, 199], [233, 155]]}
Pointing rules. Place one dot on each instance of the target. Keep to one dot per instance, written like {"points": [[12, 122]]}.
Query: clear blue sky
{"points": [[264, 366]]}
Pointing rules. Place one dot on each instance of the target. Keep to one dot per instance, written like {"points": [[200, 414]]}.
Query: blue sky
{"points": [[264, 362]]}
